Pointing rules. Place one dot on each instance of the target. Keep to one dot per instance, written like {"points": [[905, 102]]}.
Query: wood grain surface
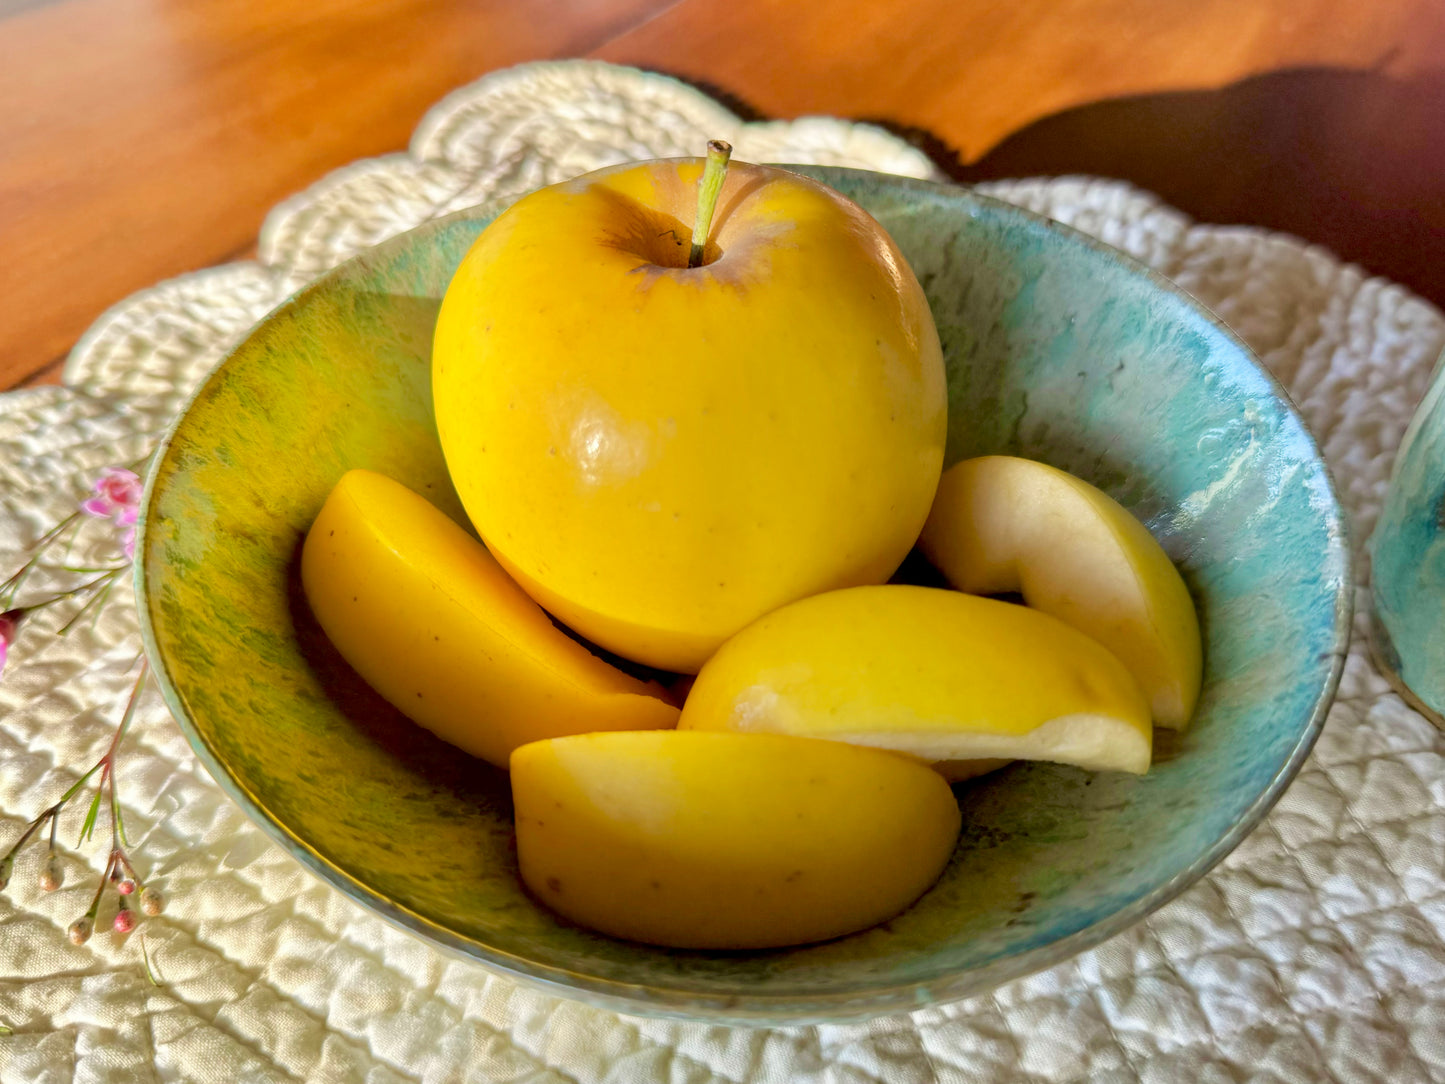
{"points": [[140, 139]]}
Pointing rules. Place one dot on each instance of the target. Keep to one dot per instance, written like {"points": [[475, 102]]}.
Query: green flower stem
{"points": [[100, 889], [11, 587], [99, 587], [106, 767], [77, 785], [151, 975]]}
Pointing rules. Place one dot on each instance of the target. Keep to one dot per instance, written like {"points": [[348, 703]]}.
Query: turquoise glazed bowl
{"points": [[1058, 348]]}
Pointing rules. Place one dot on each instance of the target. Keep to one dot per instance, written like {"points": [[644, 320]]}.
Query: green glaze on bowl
{"points": [[1058, 348]]}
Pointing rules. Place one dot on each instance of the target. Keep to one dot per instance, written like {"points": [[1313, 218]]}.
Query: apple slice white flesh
{"points": [[1003, 524], [956, 771]]}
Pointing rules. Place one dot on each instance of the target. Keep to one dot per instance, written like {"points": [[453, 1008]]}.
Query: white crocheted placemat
{"points": [[1315, 952]]}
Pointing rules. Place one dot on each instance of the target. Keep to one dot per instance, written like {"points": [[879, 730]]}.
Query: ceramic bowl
{"points": [[1057, 348]]}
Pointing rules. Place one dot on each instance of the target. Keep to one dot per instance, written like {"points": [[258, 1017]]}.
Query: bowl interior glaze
{"points": [[1057, 348]]}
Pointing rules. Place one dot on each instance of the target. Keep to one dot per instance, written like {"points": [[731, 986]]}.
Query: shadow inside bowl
{"points": [[469, 782]]}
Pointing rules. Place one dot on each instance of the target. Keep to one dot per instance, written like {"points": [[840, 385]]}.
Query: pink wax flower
{"points": [[117, 496], [9, 628]]}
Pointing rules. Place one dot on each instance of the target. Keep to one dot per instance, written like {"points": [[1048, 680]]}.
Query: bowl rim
{"points": [[782, 1007]]}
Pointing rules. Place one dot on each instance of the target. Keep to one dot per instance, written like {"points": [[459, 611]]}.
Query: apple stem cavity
{"points": [[713, 174]]}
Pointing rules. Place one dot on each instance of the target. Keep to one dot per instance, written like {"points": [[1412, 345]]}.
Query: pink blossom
{"points": [[9, 628], [117, 496]]}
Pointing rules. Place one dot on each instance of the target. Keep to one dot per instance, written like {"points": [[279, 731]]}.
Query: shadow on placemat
{"points": [[1353, 160]]}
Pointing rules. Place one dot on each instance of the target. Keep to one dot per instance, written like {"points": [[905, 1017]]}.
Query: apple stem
{"points": [[718, 153]]}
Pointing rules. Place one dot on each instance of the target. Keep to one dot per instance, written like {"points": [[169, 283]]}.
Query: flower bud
{"points": [[126, 887], [124, 920], [51, 875], [80, 930], [151, 901]]}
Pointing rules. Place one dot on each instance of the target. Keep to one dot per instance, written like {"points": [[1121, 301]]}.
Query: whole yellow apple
{"points": [[659, 454]]}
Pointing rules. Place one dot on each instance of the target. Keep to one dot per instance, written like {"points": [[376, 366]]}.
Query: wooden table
{"points": [[143, 138]]}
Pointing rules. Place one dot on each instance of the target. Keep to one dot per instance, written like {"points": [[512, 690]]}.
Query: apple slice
{"points": [[726, 841], [1003, 524], [421, 610], [935, 673]]}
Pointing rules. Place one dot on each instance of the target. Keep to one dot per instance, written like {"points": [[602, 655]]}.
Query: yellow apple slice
{"points": [[421, 610], [935, 673], [727, 841], [1002, 524]]}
